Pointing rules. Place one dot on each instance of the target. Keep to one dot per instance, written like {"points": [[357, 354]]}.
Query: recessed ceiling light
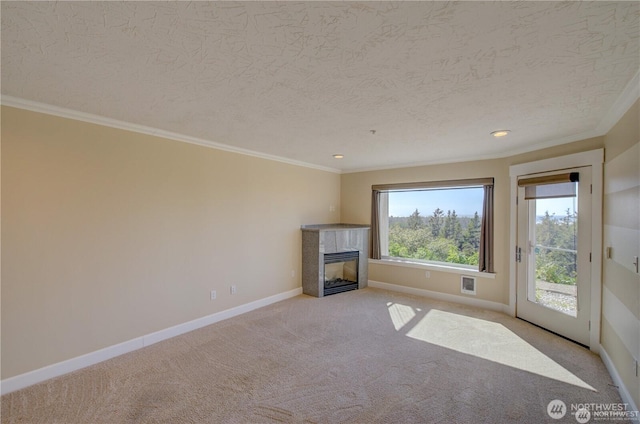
{"points": [[338, 156], [500, 133]]}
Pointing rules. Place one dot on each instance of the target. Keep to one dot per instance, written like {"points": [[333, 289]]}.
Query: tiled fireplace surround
{"points": [[318, 240]]}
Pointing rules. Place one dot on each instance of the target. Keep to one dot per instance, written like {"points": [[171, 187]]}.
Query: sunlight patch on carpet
{"points": [[400, 315], [484, 339]]}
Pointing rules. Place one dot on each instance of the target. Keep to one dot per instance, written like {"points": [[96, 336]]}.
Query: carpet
{"points": [[366, 356]]}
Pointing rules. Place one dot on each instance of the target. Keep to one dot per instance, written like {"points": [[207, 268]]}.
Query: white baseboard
{"points": [[622, 389], [485, 304], [21, 381]]}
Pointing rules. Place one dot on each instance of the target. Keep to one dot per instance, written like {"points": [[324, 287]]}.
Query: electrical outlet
{"points": [[427, 274], [213, 295], [293, 274], [234, 289]]}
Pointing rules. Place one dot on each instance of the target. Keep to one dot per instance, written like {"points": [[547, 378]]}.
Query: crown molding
{"points": [[625, 100], [623, 103], [127, 126], [505, 154]]}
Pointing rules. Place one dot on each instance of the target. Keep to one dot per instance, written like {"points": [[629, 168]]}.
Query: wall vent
{"points": [[468, 285]]}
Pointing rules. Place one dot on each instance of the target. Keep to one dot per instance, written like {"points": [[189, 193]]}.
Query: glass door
{"points": [[554, 239]]}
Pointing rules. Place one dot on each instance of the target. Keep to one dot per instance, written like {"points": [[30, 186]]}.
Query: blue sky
{"points": [[464, 201], [556, 206]]}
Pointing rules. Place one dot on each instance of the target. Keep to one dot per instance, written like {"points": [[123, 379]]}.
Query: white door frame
{"points": [[595, 159]]}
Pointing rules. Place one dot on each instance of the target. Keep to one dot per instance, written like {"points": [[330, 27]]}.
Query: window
{"points": [[439, 225], [446, 222]]}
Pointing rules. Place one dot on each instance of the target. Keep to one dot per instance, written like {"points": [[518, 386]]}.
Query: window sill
{"points": [[433, 267]]}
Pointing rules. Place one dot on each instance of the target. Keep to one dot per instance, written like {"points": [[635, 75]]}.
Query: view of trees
{"points": [[440, 237], [556, 245], [456, 239]]}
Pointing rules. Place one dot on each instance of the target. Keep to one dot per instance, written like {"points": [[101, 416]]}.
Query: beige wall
{"points": [[621, 219], [108, 235]]}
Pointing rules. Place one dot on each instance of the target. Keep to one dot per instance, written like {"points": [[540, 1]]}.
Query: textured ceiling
{"points": [[302, 81]]}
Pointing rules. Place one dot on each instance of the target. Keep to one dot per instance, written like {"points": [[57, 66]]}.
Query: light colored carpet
{"points": [[367, 356]]}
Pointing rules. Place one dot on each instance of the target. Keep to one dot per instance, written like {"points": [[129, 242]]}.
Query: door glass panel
{"points": [[553, 248]]}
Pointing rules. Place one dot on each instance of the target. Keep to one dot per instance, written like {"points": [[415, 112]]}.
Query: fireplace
{"points": [[340, 272], [334, 258]]}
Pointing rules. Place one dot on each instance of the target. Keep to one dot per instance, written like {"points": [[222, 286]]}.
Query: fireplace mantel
{"points": [[321, 239], [331, 227]]}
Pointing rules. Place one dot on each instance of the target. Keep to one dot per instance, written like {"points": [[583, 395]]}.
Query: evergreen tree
{"points": [[415, 221], [447, 229], [436, 222], [471, 236], [457, 231]]}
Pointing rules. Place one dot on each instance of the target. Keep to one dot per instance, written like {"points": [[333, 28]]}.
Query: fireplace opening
{"points": [[340, 272]]}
